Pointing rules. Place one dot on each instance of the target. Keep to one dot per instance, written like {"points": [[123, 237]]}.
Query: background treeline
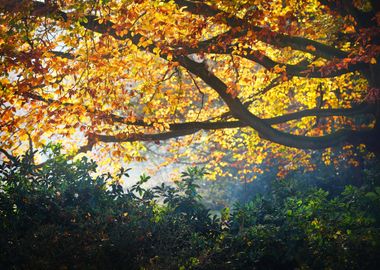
{"points": [[63, 216]]}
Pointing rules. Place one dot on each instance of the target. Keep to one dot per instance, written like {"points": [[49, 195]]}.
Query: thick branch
{"points": [[265, 130], [217, 45], [183, 129], [9, 156], [207, 125], [362, 109], [265, 35], [347, 7]]}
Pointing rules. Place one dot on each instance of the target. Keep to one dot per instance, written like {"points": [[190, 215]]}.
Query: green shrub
{"points": [[61, 216]]}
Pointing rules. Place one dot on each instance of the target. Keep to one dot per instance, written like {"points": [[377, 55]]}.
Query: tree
{"points": [[260, 78]]}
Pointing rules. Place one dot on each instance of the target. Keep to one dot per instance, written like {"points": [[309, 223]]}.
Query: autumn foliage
{"points": [[235, 83]]}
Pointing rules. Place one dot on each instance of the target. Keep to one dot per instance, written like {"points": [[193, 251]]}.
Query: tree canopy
{"points": [[245, 79]]}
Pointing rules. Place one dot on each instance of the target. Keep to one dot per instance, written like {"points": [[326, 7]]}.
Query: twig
{"points": [[200, 91]]}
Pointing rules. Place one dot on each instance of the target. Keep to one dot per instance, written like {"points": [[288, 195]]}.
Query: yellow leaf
{"points": [[156, 51]]}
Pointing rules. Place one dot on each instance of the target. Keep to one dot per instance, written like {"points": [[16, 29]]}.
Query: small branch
{"points": [[9, 156], [234, 65], [30, 151], [200, 91]]}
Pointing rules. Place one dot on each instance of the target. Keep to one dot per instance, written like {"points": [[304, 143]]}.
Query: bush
{"points": [[61, 216]]}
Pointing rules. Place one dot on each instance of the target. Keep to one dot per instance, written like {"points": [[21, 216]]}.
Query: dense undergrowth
{"points": [[61, 217]]}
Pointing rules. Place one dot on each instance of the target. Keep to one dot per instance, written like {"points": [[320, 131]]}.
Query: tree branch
{"points": [[9, 156], [183, 129], [264, 35], [217, 45], [237, 109], [207, 125], [278, 39], [347, 7], [265, 130]]}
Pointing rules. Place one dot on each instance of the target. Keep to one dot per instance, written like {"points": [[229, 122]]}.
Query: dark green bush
{"points": [[60, 216]]}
